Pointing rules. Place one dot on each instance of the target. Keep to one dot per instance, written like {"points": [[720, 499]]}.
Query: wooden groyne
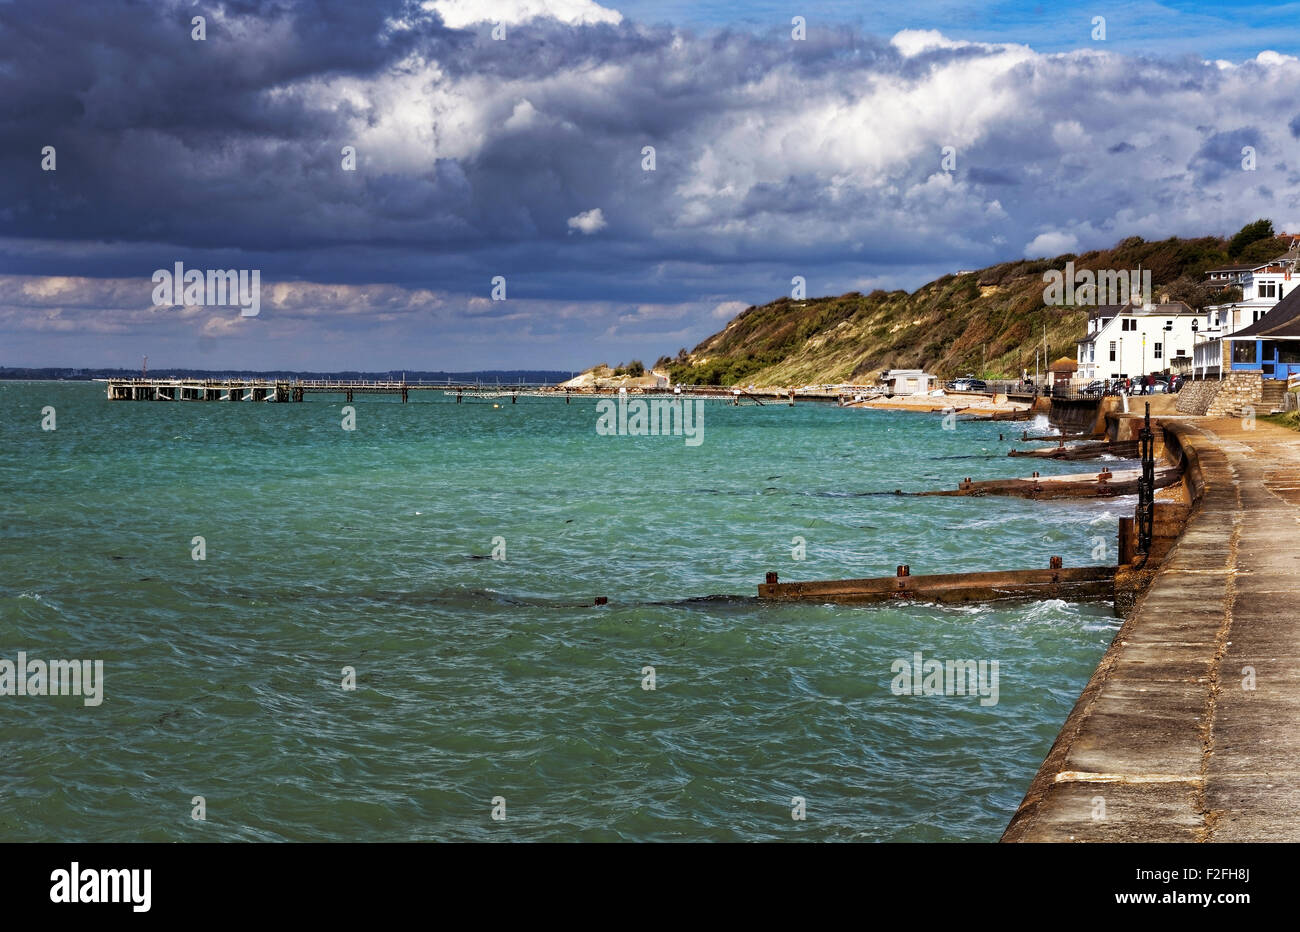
{"points": [[1085, 583], [1106, 483], [1143, 541], [1083, 451]]}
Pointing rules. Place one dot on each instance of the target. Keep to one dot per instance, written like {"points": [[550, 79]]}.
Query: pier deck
{"points": [[164, 388]]}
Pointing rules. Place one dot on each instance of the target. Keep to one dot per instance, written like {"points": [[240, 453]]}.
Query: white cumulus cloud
{"points": [[1052, 243], [457, 14], [589, 221]]}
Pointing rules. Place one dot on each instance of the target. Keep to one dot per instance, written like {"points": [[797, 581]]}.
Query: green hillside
{"points": [[986, 322]]}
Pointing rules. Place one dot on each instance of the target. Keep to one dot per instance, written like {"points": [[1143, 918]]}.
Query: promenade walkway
{"points": [[1189, 729]]}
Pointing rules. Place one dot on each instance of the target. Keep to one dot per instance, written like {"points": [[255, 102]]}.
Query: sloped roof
{"points": [[1164, 309], [1282, 321], [1292, 254], [1065, 363]]}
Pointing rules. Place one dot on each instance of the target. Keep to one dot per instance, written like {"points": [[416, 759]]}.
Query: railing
{"points": [[999, 387], [323, 383]]}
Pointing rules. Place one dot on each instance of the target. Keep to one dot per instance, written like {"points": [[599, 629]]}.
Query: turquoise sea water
{"points": [[479, 678]]}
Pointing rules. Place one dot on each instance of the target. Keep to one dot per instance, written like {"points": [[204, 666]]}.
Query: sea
{"points": [[389, 630]]}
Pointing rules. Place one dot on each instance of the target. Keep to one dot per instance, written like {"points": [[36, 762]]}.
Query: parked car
{"points": [[1160, 387], [1095, 388], [967, 384]]}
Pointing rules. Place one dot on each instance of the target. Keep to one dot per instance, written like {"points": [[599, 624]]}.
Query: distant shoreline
{"points": [[84, 374]]}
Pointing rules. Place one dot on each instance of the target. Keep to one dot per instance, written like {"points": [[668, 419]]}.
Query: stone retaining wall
{"points": [[1237, 389], [1196, 397]]}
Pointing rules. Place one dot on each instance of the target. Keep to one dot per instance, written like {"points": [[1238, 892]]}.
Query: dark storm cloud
{"points": [[1222, 154], [991, 176], [774, 157]]}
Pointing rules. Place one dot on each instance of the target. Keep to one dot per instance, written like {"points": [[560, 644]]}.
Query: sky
{"points": [[558, 183]]}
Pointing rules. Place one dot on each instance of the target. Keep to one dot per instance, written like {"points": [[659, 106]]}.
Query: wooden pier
{"points": [[291, 390], [163, 388]]}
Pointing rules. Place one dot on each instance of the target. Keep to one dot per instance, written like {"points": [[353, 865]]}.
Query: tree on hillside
{"points": [[1190, 291], [1250, 233], [1262, 251]]}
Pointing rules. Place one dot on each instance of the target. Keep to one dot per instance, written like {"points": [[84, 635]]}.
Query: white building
{"points": [[1262, 286], [1131, 340], [907, 382]]}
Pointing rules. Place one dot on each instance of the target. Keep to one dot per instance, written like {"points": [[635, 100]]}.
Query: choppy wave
{"points": [[476, 677]]}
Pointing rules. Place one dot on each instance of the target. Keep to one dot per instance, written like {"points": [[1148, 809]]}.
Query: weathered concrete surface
{"points": [[1164, 734]]}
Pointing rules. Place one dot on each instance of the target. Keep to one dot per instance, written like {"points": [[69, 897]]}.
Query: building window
{"points": [[1243, 351], [1267, 290], [1259, 314], [1112, 350], [1159, 350]]}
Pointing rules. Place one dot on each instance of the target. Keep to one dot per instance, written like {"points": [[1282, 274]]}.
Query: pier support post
{"points": [[403, 394]]}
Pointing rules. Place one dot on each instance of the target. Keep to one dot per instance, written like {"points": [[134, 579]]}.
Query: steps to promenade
{"points": [[1270, 400]]}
